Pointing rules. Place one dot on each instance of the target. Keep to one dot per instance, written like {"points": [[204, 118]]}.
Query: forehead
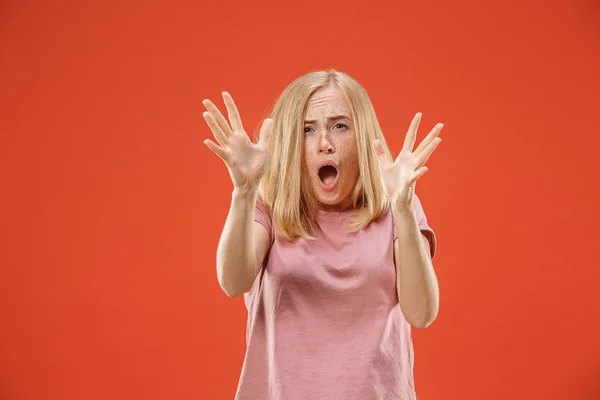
{"points": [[326, 102]]}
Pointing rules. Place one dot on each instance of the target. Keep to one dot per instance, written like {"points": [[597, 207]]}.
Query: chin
{"points": [[333, 200]]}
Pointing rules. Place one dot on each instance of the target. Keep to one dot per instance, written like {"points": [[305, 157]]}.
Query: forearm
{"points": [[236, 250], [416, 284]]}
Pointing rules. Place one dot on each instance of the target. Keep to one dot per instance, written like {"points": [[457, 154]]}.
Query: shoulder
{"points": [[383, 225]]}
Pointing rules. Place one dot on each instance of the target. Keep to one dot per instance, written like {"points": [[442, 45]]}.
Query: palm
{"points": [[397, 174], [246, 161], [399, 177]]}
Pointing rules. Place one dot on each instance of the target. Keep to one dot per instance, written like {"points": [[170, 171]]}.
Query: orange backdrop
{"points": [[113, 207]]}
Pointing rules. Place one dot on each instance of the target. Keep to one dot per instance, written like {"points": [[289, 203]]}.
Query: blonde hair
{"points": [[284, 189]]}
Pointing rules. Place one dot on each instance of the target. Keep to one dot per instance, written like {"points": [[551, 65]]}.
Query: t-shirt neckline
{"points": [[325, 214]]}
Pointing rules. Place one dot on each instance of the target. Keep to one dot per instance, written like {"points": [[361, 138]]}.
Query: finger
{"points": [[215, 128], [223, 124], [219, 151], [411, 135], [416, 175], [265, 132], [427, 152], [380, 153], [432, 135], [234, 115]]}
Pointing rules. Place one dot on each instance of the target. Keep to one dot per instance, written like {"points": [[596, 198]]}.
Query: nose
{"points": [[325, 146]]}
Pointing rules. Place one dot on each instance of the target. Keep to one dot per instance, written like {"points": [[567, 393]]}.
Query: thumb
{"points": [[380, 152], [265, 132]]}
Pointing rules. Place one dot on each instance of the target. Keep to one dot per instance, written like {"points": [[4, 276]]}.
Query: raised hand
{"points": [[245, 160], [399, 177]]}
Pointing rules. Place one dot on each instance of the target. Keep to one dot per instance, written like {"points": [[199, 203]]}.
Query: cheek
{"points": [[352, 158], [309, 165], [308, 158], [306, 153], [309, 148], [354, 169]]}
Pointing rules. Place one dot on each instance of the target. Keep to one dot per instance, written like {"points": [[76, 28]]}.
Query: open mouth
{"points": [[328, 174]]}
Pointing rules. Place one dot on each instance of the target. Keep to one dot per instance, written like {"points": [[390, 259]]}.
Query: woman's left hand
{"points": [[399, 177]]}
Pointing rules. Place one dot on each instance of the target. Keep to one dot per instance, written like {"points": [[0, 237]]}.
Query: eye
{"points": [[307, 129], [341, 126]]}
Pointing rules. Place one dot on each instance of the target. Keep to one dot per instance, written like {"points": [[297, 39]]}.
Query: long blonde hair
{"points": [[284, 189]]}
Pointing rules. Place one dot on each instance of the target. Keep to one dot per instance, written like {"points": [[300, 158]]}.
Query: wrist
{"points": [[404, 217], [403, 209], [244, 193]]}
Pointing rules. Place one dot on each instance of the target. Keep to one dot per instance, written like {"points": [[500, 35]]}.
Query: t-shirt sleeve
{"points": [[261, 215], [423, 225]]}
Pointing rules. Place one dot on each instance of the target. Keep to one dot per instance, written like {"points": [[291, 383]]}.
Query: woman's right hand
{"points": [[245, 160]]}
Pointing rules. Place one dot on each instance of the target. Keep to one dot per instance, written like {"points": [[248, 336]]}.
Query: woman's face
{"points": [[330, 149]]}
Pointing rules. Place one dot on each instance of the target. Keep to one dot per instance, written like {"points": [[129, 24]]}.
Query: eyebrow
{"points": [[333, 118]]}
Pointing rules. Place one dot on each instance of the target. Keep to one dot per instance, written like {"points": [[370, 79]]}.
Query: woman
{"points": [[328, 243]]}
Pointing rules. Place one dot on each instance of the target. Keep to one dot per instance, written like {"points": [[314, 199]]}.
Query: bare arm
{"points": [[417, 285], [244, 242], [243, 246]]}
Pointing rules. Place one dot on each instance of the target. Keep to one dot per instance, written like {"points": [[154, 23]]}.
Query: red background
{"points": [[112, 206]]}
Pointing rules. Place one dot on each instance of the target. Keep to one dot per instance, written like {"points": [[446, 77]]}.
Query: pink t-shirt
{"points": [[324, 320]]}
